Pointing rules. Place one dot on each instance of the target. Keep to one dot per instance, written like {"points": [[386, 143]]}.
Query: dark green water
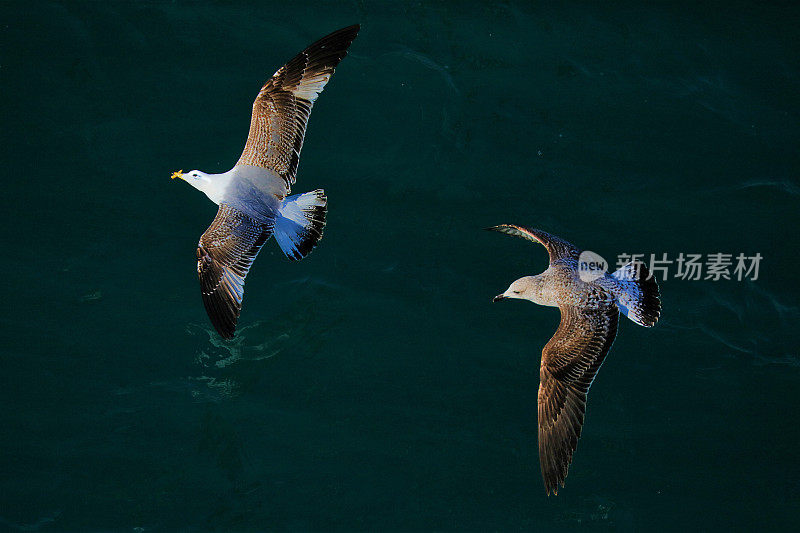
{"points": [[373, 386]]}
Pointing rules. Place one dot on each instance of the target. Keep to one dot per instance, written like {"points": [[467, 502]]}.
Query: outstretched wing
{"points": [[570, 362], [224, 255], [281, 109], [557, 248]]}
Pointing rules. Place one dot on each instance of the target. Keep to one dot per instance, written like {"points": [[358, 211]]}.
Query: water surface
{"points": [[373, 385]]}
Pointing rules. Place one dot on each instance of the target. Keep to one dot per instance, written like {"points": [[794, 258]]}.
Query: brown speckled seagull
{"points": [[590, 304], [253, 197]]}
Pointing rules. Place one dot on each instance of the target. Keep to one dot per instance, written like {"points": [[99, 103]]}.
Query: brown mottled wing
{"points": [[570, 361], [557, 248], [224, 255], [281, 109]]}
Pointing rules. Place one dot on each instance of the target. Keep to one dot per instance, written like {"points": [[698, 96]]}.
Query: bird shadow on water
{"points": [[596, 511], [228, 365], [230, 380]]}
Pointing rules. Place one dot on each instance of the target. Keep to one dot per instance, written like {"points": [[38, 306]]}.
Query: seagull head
{"points": [[193, 176], [213, 185], [527, 288], [197, 179]]}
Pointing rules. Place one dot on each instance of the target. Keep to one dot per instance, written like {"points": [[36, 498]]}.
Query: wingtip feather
{"points": [[499, 227]]}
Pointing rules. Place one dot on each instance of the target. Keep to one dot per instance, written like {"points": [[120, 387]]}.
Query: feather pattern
{"points": [[570, 361], [282, 107], [557, 248], [225, 253]]}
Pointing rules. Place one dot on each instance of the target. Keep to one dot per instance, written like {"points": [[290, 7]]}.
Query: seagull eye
{"points": [[515, 292]]}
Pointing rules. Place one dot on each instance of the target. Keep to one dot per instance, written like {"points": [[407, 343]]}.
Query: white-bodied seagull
{"points": [[570, 360], [253, 197]]}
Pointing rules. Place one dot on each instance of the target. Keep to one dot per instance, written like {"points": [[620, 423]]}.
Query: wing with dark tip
{"points": [[570, 362], [281, 109], [224, 255], [557, 248]]}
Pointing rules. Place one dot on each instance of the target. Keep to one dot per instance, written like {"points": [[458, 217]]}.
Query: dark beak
{"points": [[498, 298]]}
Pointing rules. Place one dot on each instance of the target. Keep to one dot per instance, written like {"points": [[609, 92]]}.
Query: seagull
{"points": [[253, 197], [590, 304]]}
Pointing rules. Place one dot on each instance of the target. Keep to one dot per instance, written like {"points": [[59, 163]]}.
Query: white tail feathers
{"points": [[299, 224], [637, 295]]}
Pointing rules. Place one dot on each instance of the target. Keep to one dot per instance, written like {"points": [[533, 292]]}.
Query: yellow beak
{"points": [[176, 174]]}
